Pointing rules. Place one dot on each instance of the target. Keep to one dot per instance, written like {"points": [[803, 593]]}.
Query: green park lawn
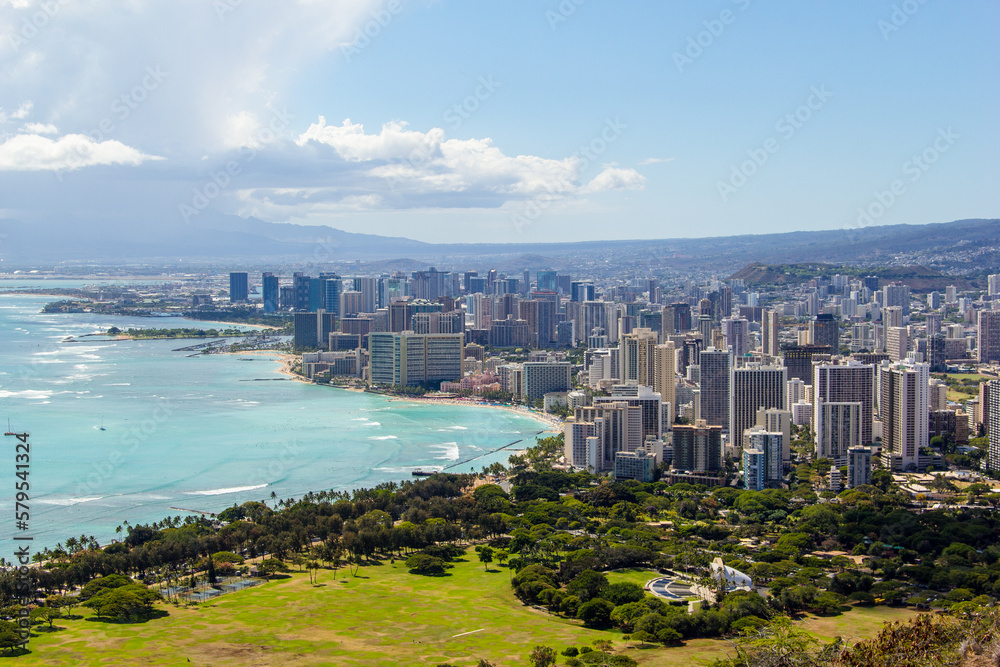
{"points": [[385, 616]]}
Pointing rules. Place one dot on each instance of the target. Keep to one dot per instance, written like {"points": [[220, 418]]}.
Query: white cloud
{"points": [[654, 160], [224, 61], [614, 178], [22, 112], [38, 128], [393, 142], [32, 152], [343, 168]]}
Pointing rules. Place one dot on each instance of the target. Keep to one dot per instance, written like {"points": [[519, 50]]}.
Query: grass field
{"points": [[386, 616]]}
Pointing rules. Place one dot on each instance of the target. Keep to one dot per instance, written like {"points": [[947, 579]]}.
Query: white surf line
{"points": [[471, 632]]}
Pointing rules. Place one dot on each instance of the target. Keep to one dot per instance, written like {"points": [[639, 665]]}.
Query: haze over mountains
{"points": [[958, 246]]}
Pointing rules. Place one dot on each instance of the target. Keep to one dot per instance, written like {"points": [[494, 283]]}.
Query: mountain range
{"points": [[969, 246]]}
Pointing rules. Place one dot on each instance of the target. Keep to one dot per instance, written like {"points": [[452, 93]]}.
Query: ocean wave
{"points": [[221, 492], [383, 437], [32, 394], [66, 502], [454, 428], [448, 450], [358, 419], [371, 424]]}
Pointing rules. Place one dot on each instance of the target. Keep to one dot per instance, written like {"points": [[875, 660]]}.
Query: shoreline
{"points": [[286, 359]]}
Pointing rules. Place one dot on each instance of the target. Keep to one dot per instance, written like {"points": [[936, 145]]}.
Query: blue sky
{"points": [[497, 121]]}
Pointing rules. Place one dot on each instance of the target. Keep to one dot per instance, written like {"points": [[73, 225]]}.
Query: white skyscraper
{"points": [[903, 405], [753, 387]]}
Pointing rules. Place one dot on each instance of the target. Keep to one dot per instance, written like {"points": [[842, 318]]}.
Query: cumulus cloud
{"points": [[614, 178], [33, 152], [413, 168], [39, 128]]}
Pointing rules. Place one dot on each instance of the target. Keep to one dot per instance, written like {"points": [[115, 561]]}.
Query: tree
{"points": [[9, 635], [485, 555], [45, 615], [596, 613], [587, 585], [543, 656], [426, 565], [211, 570]]}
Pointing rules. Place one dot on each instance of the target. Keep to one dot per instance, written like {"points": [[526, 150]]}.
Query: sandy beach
{"points": [[553, 424]]}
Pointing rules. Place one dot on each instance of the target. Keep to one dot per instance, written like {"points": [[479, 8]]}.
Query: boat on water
{"points": [[423, 473]]}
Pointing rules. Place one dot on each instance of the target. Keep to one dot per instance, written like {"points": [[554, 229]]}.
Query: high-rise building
{"points": [[825, 330], [682, 317], [239, 287], [540, 314], [852, 382], [617, 427], [312, 330], [541, 377], [897, 342], [546, 280], [644, 398], [369, 293], [754, 469], [715, 386], [269, 292], [993, 426], [933, 323], [697, 447], [989, 336], [429, 284], [300, 283], [771, 443], [582, 291], [993, 284], [753, 387], [665, 374], [412, 359], [903, 407], [774, 420], [859, 467], [737, 333], [798, 360], [837, 427], [350, 304], [770, 331], [896, 295], [639, 465], [638, 356]]}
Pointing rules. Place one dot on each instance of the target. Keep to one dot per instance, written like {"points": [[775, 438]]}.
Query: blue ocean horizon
{"points": [[199, 433]]}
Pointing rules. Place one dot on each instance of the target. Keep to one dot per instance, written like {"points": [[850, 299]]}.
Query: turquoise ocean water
{"points": [[198, 433]]}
